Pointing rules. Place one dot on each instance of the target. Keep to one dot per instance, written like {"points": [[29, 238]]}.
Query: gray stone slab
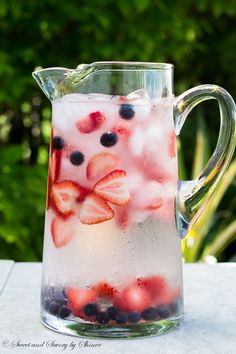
{"points": [[209, 326], [5, 269]]}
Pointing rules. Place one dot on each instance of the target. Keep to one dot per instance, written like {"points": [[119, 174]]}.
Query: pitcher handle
{"points": [[192, 196]]}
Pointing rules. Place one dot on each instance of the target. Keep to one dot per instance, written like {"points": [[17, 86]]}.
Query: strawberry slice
{"points": [[61, 233], [65, 195], [122, 130], [55, 164], [154, 285], [132, 298], [172, 145], [105, 290], [114, 188], [91, 123], [95, 210], [78, 298], [167, 296], [102, 164]]}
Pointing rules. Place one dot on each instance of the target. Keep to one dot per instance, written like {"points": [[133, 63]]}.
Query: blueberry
{"points": [[121, 317], [64, 312], [102, 317], [163, 311], [58, 143], [126, 111], [109, 139], [59, 296], [91, 309], [53, 308], [134, 317], [76, 158], [48, 292], [150, 313], [112, 312]]}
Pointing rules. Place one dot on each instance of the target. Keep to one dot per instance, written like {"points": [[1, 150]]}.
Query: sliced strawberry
{"points": [[105, 290], [167, 296], [95, 210], [78, 298], [55, 164], [122, 218], [49, 190], [154, 285], [122, 130], [114, 188], [65, 195], [154, 204], [91, 123], [102, 164], [132, 298], [122, 98], [61, 232], [172, 145]]}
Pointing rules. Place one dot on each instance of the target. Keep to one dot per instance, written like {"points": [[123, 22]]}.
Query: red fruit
{"points": [[55, 164], [95, 210], [61, 232], [91, 123], [114, 188], [122, 218], [65, 195], [132, 298], [155, 204], [122, 98], [121, 130], [102, 164], [78, 298], [105, 290], [154, 285], [167, 296], [172, 145], [49, 191]]}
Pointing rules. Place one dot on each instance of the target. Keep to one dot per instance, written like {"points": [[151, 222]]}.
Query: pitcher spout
{"points": [[49, 80]]}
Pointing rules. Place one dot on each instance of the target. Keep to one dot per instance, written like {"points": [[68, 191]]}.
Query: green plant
{"points": [[215, 230]]}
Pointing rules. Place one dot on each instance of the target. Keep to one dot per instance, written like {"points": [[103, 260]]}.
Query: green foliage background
{"points": [[198, 37]]}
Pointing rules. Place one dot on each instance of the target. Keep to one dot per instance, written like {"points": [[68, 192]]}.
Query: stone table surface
{"points": [[209, 326]]}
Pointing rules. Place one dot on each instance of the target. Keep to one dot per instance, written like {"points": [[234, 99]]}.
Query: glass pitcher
{"points": [[116, 210]]}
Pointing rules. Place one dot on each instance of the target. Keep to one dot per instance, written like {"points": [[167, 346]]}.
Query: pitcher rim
{"points": [[148, 64], [116, 65]]}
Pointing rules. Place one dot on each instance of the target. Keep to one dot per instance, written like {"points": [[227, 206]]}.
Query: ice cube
{"points": [[137, 142], [138, 94], [149, 196]]}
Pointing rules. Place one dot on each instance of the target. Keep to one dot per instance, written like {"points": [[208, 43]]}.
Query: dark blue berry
{"points": [[91, 309], [109, 139], [112, 312], [76, 158], [59, 296], [134, 317], [58, 143], [149, 314], [64, 312], [102, 317], [121, 317], [53, 308], [126, 111], [163, 311], [48, 292]]}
